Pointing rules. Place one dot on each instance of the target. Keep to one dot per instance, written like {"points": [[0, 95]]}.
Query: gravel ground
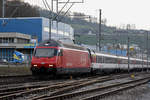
{"points": [[14, 70], [138, 93], [110, 82]]}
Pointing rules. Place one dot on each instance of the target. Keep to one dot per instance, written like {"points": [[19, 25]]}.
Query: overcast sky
{"points": [[117, 12]]}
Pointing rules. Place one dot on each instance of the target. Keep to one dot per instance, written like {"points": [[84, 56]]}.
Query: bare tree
{"points": [[17, 8]]}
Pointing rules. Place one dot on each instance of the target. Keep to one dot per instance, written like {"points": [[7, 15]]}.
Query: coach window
{"points": [[114, 60], [0, 40], [106, 60], [110, 60], [137, 62], [99, 59], [132, 62], [118, 61], [102, 59], [144, 63], [124, 61]]}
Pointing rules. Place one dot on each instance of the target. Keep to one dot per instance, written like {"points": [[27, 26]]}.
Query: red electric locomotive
{"points": [[55, 57]]}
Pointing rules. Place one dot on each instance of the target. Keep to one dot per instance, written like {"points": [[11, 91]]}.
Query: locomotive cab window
{"points": [[45, 52]]}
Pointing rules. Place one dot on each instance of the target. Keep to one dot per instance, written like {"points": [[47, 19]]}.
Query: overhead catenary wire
{"points": [[67, 11], [44, 4], [50, 18], [48, 5], [55, 17], [61, 10], [72, 2]]}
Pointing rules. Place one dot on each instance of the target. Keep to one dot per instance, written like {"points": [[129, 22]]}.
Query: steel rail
{"points": [[46, 88], [74, 94], [114, 91], [62, 87], [74, 87], [14, 76]]}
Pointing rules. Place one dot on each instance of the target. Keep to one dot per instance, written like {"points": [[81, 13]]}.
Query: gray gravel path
{"points": [[139, 93]]}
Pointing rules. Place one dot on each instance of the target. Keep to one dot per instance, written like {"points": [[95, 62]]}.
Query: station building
{"points": [[11, 41]]}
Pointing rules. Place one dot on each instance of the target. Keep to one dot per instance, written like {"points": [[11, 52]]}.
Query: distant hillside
{"points": [[109, 34], [84, 27], [80, 26], [19, 9]]}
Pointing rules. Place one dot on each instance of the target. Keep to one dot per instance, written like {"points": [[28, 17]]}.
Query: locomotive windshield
{"points": [[45, 52]]}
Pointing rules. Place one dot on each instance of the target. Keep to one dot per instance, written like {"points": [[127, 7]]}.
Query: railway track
{"points": [[99, 92], [13, 76], [41, 90], [16, 79], [118, 88], [19, 91], [11, 80], [13, 86]]}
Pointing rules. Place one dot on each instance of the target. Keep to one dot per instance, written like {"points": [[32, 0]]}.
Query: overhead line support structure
{"points": [[3, 8], [50, 16], [99, 37], [65, 5], [58, 13], [128, 54], [55, 17], [147, 50], [73, 2]]}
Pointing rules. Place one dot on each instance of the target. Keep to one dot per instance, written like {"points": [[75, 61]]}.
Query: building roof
{"points": [[14, 35]]}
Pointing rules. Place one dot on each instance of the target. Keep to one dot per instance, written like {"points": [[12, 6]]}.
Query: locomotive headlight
{"points": [[35, 65], [50, 65]]}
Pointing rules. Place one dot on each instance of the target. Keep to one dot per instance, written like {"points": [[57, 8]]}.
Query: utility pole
{"points": [[99, 38], [142, 61], [50, 28], [128, 54], [51, 21], [57, 6], [52, 5], [128, 27], [3, 8], [57, 17], [147, 50], [116, 45]]}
